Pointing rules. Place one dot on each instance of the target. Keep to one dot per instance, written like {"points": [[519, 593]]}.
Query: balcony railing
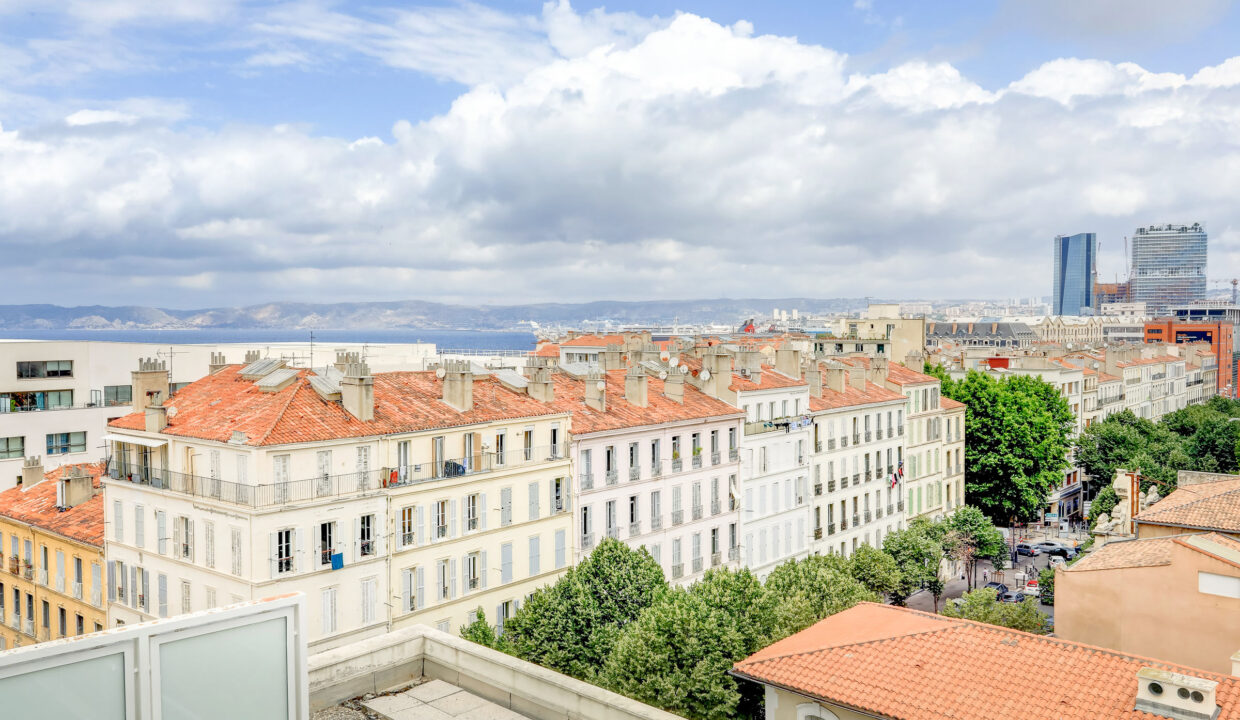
{"points": [[869, 475], [697, 461], [856, 438], [678, 570], [867, 516], [716, 559], [844, 442], [77, 590], [891, 469], [613, 532], [60, 583], [878, 512], [891, 509], [716, 507], [716, 457], [817, 489], [856, 479], [900, 506], [635, 529], [28, 571], [656, 522], [734, 454], [612, 477], [817, 533], [697, 564], [830, 486], [586, 481], [43, 577], [697, 512], [867, 436], [587, 541], [678, 517], [899, 429], [677, 465], [831, 444], [656, 469], [843, 524], [843, 482], [635, 473], [734, 553], [817, 446], [15, 565], [856, 519]]}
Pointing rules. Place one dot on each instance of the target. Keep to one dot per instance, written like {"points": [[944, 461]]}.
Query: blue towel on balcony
{"points": [[337, 561]]}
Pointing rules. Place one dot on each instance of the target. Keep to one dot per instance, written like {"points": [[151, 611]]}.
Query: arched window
{"points": [[814, 711]]}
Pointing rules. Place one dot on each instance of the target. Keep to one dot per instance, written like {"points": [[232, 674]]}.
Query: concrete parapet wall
{"points": [[378, 663], [1184, 478]]}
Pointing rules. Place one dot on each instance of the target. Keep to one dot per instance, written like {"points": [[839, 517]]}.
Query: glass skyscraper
{"points": [[1075, 256], [1168, 266]]}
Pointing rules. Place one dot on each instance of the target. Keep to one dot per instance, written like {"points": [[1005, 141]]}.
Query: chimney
{"points": [[357, 391], [252, 356], [877, 373], [596, 391], [636, 386], [612, 358], [749, 359], [32, 471], [788, 362], [856, 378], [813, 375], [1172, 695], [218, 363], [156, 415], [345, 359], [836, 377], [649, 352], [674, 386], [149, 380], [76, 487], [458, 384], [915, 361], [541, 387]]}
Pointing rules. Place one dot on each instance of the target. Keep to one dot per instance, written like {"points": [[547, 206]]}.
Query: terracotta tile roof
{"points": [[214, 407], [900, 663], [1214, 505], [1126, 554], [547, 350], [770, 379], [594, 341], [896, 373], [36, 506], [852, 397], [570, 397], [948, 404], [1103, 377]]}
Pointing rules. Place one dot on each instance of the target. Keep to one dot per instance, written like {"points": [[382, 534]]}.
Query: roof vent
{"points": [[1172, 695]]}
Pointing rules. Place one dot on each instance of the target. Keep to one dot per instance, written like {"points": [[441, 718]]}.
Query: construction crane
{"points": [[1228, 281]]}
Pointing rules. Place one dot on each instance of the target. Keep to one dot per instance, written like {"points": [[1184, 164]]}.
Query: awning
{"points": [[144, 442]]}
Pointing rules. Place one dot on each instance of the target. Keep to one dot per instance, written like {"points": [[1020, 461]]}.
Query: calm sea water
{"points": [[452, 339]]}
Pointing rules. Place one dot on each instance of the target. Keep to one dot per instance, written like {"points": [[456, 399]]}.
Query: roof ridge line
{"points": [[280, 415], [1198, 497]]}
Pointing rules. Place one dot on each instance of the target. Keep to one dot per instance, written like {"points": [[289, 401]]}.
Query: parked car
{"points": [[1027, 549], [999, 588], [1052, 547], [1012, 597], [1056, 562], [1031, 588]]}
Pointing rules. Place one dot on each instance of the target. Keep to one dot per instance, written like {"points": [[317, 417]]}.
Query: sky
{"points": [[205, 153]]}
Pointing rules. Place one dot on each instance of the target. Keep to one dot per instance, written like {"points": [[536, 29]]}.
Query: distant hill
{"points": [[407, 314]]}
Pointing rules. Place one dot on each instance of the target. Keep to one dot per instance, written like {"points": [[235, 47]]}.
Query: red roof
{"points": [[949, 404], [1214, 505], [547, 350], [594, 341], [36, 506], [900, 663], [214, 407], [570, 397], [852, 397]]}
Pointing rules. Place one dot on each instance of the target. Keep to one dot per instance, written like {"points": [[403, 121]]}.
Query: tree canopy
{"points": [[983, 605], [1017, 437]]}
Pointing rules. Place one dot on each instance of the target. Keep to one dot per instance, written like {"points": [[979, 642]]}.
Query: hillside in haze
{"points": [[406, 314]]}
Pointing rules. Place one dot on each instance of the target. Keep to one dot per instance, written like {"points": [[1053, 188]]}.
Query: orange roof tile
{"points": [[900, 663], [1149, 552], [215, 406], [547, 350], [770, 379], [852, 397], [570, 397], [36, 506], [1212, 505], [896, 373], [949, 404], [594, 341]]}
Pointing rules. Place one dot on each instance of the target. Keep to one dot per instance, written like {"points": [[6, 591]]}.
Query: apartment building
{"points": [[51, 555], [57, 397], [657, 461], [858, 455], [389, 499]]}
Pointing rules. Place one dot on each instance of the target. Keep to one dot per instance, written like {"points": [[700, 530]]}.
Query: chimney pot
{"points": [[32, 470], [357, 391], [150, 383], [636, 386], [458, 385], [596, 391]]}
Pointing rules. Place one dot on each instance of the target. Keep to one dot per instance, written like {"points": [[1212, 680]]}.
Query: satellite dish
{"points": [[684, 369], [662, 375], [705, 374], [440, 372], [172, 412], [601, 386], [673, 361], [664, 356]]}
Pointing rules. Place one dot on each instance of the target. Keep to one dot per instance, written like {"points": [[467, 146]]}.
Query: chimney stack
{"points": [[156, 415], [649, 352], [150, 381], [345, 359], [458, 384], [32, 471], [836, 377], [915, 360], [252, 356], [856, 378], [76, 487], [813, 376], [357, 391], [636, 386], [674, 386], [218, 363], [877, 373], [788, 362], [596, 391], [541, 387], [612, 358]]}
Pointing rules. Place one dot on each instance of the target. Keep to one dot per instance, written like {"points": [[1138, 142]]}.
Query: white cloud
{"points": [[96, 117], [676, 159]]}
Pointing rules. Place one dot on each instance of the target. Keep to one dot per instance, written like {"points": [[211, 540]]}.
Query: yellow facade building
{"points": [[51, 550]]}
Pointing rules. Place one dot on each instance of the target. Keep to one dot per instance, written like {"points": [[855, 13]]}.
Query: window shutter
{"points": [[499, 618], [161, 530], [421, 590], [505, 509], [189, 531], [275, 563], [534, 500], [505, 563], [559, 549], [551, 497], [464, 574], [421, 525], [452, 579], [380, 534], [483, 511], [535, 556], [298, 566], [452, 519], [327, 611], [112, 581], [176, 537], [482, 569], [133, 586], [146, 593], [406, 591], [357, 538]]}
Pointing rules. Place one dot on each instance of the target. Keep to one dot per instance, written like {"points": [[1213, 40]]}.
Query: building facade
{"points": [[1218, 334], [1168, 266], [1075, 262]]}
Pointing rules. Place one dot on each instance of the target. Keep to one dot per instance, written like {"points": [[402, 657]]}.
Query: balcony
{"points": [[734, 454], [14, 565], [697, 460], [891, 469], [612, 477], [697, 564], [635, 473], [856, 479], [678, 570], [28, 571], [656, 522], [843, 525], [869, 475], [800, 500], [613, 532], [43, 577], [586, 481], [868, 518], [28, 627], [900, 506], [716, 507], [817, 533], [878, 512], [899, 429], [843, 442], [831, 444], [697, 512], [678, 517], [716, 559], [656, 469], [856, 438], [587, 542], [868, 437], [635, 529], [677, 464], [891, 509], [856, 519], [733, 553], [843, 482], [60, 583], [817, 489]]}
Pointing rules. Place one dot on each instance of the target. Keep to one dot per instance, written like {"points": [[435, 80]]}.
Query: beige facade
{"points": [[786, 705], [1174, 597]]}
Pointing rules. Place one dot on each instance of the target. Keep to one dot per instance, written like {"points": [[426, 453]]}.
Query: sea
{"points": [[443, 339]]}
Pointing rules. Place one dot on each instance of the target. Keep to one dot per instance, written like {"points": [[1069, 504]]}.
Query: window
{"points": [[412, 590], [560, 548], [535, 556], [284, 551], [633, 517], [37, 400], [12, 448], [528, 438], [366, 535], [369, 596], [441, 519], [328, 610], [45, 369], [471, 511], [117, 395], [656, 510], [183, 529], [327, 542], [557, 495], [443, 584], [731, 438], [505, 507], [236, 551], [186, 597], [210, 529], [501, 440], [80, 626], [714, 441], [505, 563], [118, 525], [406, 526], [63, 443]]}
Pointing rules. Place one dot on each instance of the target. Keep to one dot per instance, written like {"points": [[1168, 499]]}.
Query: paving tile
{"points": [[490, 711], [458, 702], [421, 712], [388, 704], [430, 691]]}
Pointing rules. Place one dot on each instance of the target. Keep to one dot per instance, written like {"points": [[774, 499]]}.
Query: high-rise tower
{"points": [[1075, 258], [1168, 266]]}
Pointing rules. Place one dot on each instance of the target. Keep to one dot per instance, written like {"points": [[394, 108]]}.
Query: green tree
{"points": [[676, 656], [1017, 439], [983, 606], [876, 570], [808, 590], [1046, 586], [918, 555], [971, 537], [739, 595], [480, 631], [572, 625]]}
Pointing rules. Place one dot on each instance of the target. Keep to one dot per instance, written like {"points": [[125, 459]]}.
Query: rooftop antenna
{"points": [[169, 353]]}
